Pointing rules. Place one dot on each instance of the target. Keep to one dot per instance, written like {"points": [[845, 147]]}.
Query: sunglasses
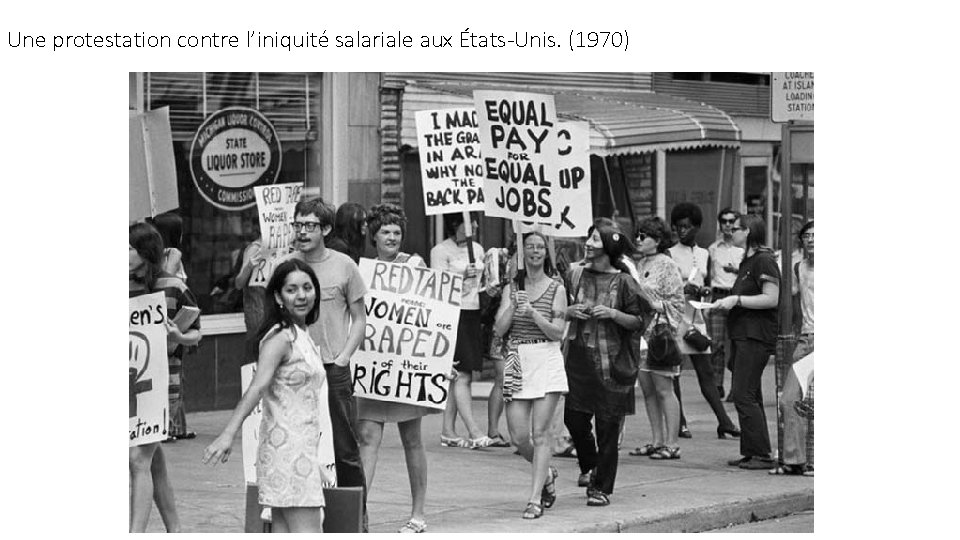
{"points": [[728, 221], [643, 236]]}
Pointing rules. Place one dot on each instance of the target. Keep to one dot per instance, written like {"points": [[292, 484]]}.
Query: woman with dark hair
{"points": [[530, 320], [170, 226], [606, 311], [661, 284], [295, 429], [349, 229], [387, 226], [752, 329], [148, 468], [452, 255]]}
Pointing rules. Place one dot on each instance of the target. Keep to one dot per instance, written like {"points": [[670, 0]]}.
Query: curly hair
{"points": [[385, 214], [657, 228]]}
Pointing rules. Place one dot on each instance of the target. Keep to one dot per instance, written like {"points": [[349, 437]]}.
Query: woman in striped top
{"points": [[531, 325]]}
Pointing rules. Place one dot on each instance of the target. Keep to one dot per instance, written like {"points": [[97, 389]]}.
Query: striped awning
{"points": [[620, 122]]}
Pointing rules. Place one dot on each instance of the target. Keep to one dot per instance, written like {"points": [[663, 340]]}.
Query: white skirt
{"points": [[541, 366]]}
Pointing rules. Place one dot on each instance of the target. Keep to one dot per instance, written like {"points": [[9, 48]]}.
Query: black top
{"points": [[758, 324]]}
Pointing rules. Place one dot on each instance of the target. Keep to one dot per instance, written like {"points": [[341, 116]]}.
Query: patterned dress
{"points": [[295, 455], [661, 281]]}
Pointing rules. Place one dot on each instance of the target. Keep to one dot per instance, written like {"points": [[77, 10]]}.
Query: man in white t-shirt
{"points": [[722, 269]]}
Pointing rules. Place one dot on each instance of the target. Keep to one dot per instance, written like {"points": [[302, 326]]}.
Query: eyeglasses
{"points": [[728, 221], [643, 236], [309, 226], [807, 236]]}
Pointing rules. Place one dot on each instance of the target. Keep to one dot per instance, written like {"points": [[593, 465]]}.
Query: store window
{"points": [[213, 237]]}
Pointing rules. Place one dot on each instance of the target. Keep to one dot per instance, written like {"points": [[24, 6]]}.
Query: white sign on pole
{"points": [[791, 96], [450, 164], [518, 142], [153, 172], [407, 349], [149, 374], [275, 206]]}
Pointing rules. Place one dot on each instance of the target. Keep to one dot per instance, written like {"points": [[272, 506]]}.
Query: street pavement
{"points": [[485, 490]]}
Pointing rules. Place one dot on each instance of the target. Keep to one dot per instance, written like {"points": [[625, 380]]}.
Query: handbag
{"points": [[662, 349], [694, 333]]}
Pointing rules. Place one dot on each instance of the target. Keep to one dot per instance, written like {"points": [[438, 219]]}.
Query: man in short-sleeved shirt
{"points": [[337, 331]]}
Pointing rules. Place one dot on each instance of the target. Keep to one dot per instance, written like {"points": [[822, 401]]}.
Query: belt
{"points": [[718, 290], [530, 341]]}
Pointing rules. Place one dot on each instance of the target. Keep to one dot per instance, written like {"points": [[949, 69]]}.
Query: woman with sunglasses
{"points": [[752, 328], [661, 284]]}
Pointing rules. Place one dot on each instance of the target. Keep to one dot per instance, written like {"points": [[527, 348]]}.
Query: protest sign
{"points": [[518, 142], [450, 164], [803, 369], [275, 205], [149, 374], [250, 433], [408, 344], [153, 171]]}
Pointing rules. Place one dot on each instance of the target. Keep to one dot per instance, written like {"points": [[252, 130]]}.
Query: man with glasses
{"points": [[721, 274], [337, 331]]}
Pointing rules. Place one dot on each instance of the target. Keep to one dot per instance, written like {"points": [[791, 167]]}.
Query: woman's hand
{"points": [[578, 311], [471, 271], [522, 304], [603, 312], [728, 302], [453, 374], [174, 335], [219, 449]]}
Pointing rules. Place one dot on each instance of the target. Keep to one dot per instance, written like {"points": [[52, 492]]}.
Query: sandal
{"points": [[666, 452], [645, 450], [548, 495], [532, 511], [482, 442], [413, 526], [595, 497], [188, 435], [453, 442], [787, 470], [569, 451], [498, 442]]}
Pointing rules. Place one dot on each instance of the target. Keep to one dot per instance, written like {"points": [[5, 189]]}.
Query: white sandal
{"points": [[413, 526]]}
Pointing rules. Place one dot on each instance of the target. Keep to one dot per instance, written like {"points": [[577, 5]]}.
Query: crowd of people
{"points": [[570, 345]]}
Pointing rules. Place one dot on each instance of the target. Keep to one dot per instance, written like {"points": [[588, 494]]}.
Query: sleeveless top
{"points": [[524, 328]]}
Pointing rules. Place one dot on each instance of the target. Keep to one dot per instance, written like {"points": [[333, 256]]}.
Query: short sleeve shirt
{"points": [[723, 254], [340, 286], [757, 324], [688, 258]]}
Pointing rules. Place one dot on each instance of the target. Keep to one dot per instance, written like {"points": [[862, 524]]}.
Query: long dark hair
{"points": [[170, 227], [348, 226], [615, 245], [756, 230], [273, 314], [148, 243]]}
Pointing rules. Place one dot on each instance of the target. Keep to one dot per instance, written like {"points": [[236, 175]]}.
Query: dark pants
{"points": [[601, 453], [343, 420], [750, 357], [708, 387]]}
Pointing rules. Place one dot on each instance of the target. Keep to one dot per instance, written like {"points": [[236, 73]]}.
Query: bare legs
{"points": [[371, 435], [495, 401], [307, 519], [534, 444], [150, 482], [459, 402], [663, 409]]}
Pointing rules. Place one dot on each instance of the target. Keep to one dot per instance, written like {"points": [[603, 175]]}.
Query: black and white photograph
{"points": [[471, 302]]}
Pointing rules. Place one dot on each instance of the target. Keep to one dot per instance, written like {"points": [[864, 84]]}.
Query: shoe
{"points": [[685, 433], [498, 442], [169, 440], [787, 470], [722, 432], [187, 435], [413, 526], [481, 442], [757, 463], [595, 497], [644, 450], [809, 471], [532, 511], [586, 478], [569, 451], [453, 442], [666, 452], [738, 461], [548, 495]]}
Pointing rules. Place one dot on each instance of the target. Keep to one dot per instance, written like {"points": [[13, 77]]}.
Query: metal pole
{"points": [[786, 339]]}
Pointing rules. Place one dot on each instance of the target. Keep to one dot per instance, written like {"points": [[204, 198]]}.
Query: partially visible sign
{"points": [[450, 164], [275, 205], [791, 96], [153, 172], [148, 372], [574, 193], [518, 141], [407, 349], [234, 150]]}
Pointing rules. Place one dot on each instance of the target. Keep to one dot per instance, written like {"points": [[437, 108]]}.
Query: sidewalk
{"points": [[485, 490]]}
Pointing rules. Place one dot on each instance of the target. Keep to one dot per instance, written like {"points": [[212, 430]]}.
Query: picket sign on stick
{"points": [[468, 231], [148, 369]]}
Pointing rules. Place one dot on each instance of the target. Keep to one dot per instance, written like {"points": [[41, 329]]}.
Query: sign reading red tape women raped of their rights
{"points": [[148, 370], [450, 164], [407, 349], [250, 434], [275, 206], [518, 142]]}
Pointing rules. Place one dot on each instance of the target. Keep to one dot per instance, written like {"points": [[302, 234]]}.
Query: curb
{"points": [[711, 517]]}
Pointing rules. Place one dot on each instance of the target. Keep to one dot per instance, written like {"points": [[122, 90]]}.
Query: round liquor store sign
{"points": [[234, 150]]}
